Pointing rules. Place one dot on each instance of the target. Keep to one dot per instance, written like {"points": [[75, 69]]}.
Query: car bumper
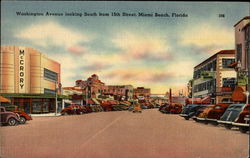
{"points": [[183, 115], [210, 119], [224, 122], [200, 119], [240, 124]]}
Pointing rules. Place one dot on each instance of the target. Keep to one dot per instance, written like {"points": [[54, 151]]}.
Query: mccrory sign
{"points": [[21, 70]]}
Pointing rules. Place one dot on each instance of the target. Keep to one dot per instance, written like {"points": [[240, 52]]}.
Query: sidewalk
{"points": [[46, 115]]}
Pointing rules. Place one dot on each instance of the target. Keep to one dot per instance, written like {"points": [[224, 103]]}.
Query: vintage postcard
{"points": [[124, 79]]}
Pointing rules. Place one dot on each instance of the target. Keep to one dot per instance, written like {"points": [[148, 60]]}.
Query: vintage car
{"points": [[175, 108], [123, 105], [23, 115], [216, 112], [201, 117], [107, 106], [8, 117], [143, 106], [137, 108], [164, 108], [231, 115], [74, 109], [96, 108], [242, 122], [190, 110]]}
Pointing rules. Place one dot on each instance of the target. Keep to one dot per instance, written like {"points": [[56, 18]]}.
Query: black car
{"points": [[164, 108], [231, 114], [191, 110]]}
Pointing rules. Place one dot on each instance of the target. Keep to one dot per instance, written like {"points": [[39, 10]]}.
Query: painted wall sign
{"points": [[21, 70]]}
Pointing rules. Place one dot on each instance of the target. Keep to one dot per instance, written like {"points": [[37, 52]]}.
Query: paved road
{"points": [[150, 134]]}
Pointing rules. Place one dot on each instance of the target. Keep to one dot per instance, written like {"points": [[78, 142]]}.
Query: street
{"points": [[121, 134]]}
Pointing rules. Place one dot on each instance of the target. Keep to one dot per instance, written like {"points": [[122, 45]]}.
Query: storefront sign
{"points": [[21, 71]]}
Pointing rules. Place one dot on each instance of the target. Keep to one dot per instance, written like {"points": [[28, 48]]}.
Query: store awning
{"points": [[206, 100], [90, 101], [238, 95], [96, 101], [4, 100]]}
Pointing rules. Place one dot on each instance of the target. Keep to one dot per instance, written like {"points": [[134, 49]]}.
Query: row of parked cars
{"points": [[11, 115], [227, 115], [108, 105], [173, 108]]}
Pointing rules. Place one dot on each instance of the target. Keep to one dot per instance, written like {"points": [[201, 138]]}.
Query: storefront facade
{"points": [[29, 79]]}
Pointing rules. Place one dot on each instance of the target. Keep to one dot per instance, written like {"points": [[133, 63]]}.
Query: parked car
{"points": [[137, 108], [216, 112], [190, 110], [8, 117], [123, 105], [201, 117], [143, 106], [175, 108], [242, 122], [23, 115], [107, 106], [74, 109], [231, 115], [164, 108]]}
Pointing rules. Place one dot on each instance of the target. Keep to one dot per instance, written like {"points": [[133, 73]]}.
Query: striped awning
{"points": [[4, 100]]}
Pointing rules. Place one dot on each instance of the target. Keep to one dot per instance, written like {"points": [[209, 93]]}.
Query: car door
{"points": [[3, 115]]}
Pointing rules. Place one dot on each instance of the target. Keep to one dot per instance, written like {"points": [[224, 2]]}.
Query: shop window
{"points": [[228, 82], [49, 91], [239, 52], [227, 62], [48, 74]]}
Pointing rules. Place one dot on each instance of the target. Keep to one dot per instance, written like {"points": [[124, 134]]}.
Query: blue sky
{"points": [[154, 52]]}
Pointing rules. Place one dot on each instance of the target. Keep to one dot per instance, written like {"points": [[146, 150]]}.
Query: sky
{"points": [[153, 52]]}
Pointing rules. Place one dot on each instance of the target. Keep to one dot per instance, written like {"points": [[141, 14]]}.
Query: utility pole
{"points": [[56, 97]]}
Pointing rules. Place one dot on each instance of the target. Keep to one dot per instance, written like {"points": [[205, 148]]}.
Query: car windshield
{"points": [[237, 107]]}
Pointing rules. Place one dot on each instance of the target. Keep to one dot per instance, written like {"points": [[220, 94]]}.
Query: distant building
{"points": [[158, 98], [75, 94], [215, 77], [30, 79], [93, 86], [242, 46], [120, 92], [142, 93]]}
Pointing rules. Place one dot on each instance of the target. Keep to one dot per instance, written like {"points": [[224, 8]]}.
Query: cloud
{"points": [[142, 75], [207, 37], [96, 66], [77, 50], [135, 46], [52, 34], [69, 68]]}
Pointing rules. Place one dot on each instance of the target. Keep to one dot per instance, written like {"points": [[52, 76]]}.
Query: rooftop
{"points": [[245, 18], [215, 55]]}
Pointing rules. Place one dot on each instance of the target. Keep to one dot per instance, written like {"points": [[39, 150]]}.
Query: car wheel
{"points": [[186, 118], [243, 129], [12, 122], [22, 120], [215, 123], [228, 126]]}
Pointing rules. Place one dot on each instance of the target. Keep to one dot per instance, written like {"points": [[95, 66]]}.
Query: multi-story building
{"points": [[120, 92], [74, 93], [215, 77], [29, 79], [142, 93], [242, 46], [93, 86]]}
